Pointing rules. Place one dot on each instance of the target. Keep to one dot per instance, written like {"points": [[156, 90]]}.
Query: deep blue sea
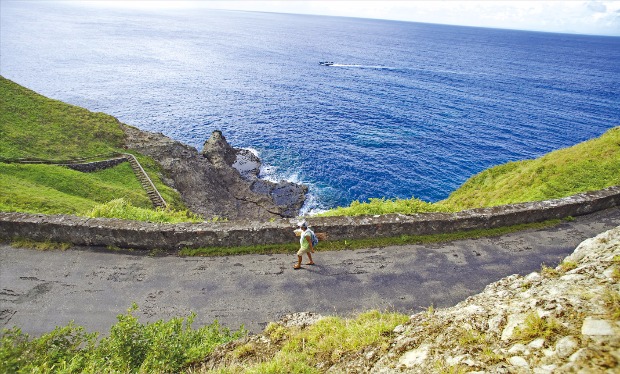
{"points": [[408, 109]]}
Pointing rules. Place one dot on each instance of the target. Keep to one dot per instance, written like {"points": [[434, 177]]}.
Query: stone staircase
{"points": [[106, 161], [146, 182]]}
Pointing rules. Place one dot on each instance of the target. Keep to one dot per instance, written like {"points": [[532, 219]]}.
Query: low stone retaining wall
{"points": [[142, 235], [89, 167]]}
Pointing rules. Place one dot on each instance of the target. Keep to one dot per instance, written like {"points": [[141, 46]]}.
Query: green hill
{"points": [[35, 127], [591, 165], [588, 166]]}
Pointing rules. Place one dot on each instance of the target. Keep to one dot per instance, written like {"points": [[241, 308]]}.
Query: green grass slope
{"points": [[35, 127], [54, 189], [588, 166], [591, 165]]}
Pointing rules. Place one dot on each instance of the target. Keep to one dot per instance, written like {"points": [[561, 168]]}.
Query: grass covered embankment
{"points": [[174, 346], [588, 166], [130, 347], [35, 127]]}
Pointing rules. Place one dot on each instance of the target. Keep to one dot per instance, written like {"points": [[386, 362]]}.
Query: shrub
{"points": [[386, 206], [62, 348], [159, 347], [123, 209], [535, 327]]}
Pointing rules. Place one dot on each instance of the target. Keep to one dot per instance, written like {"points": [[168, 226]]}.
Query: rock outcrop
{"points": [[289, 196], [209, 183], [559, 320]]}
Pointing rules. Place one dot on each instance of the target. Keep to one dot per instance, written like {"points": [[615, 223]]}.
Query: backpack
{"points": [[313, 238]]}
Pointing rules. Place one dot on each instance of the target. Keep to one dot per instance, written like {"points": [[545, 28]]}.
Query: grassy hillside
{"points": [[588, 166], [54, 189], [35, 127]]}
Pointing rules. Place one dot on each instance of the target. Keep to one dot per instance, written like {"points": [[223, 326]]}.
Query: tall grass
{"points": [[121, 208], [33, 126], [329, 340], [130, 347]]}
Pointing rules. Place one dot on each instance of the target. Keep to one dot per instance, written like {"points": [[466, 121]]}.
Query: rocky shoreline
{"points": [[220, 181]]}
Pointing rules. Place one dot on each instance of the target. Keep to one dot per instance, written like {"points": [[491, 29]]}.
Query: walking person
{"points": [[305, 245]]}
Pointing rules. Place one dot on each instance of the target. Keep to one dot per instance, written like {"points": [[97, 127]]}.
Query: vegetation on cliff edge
{"points": [[130, 347], [588, 166], [35, 127]]}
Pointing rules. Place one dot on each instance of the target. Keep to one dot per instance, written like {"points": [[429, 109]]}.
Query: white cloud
{"points": [[597, 6], [586, 17]]}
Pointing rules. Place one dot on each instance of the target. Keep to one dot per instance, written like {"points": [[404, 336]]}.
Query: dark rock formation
{"points": [[210, 184], [217, 150], [289, 196]]}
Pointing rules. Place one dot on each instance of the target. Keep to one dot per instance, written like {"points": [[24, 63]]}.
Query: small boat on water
{"points": [[326, 63]]}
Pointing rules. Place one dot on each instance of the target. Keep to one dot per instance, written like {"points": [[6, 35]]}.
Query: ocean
{"points": [[407, 109]]}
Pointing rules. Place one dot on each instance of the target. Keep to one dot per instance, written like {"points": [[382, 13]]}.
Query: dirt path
{"points": [[41, 290]]}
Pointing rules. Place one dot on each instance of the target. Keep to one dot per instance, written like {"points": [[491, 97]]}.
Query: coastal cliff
{"points": [[217, 181]]}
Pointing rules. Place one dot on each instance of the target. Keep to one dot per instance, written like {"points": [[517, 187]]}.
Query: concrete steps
{"points": [[146, 182], [110, 160]]}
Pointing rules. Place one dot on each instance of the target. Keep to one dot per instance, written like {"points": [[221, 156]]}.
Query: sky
{"points": [[574, 16]]}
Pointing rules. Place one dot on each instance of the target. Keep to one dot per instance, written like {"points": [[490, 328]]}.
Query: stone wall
{"points": [[89, 167], [143, 235]]}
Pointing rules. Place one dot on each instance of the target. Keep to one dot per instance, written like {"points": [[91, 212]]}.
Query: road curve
{"points": [[41, 290]]}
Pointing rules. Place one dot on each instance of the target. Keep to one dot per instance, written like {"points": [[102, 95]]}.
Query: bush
{"points": [[59, 350], [123, 209], [386, 206], [131, 347]]}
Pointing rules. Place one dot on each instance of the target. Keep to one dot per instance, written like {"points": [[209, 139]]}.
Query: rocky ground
{"points": [[221, 181], [558, 320], [563, 319]]}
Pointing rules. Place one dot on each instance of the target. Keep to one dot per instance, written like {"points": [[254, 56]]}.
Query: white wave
{"points": [[363, 66], [312, 205], [254, 151], [273, 174]]}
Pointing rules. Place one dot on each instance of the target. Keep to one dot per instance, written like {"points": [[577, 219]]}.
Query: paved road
{"points": [[41, 290]]}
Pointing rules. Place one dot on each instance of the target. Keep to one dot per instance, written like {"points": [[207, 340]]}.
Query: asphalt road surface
{"points": [[42, 290]]}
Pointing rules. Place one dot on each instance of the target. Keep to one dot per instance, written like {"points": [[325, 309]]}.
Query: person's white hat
{"points": [[302, 224]]}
